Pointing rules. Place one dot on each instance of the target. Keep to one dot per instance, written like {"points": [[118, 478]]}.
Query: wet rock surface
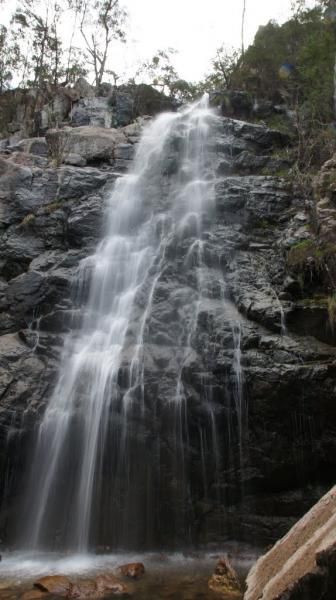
{"points": [[282, 447]]}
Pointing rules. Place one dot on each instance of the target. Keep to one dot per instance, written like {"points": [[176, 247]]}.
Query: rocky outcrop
{"points": [[302, 564], [242, 105], [268, 378], [28, 113]]}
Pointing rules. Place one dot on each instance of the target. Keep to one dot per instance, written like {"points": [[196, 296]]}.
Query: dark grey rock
{"points": [[288, 374], [94, 111], [233, 103], [37, 146], [85, 221], [75, 160]]}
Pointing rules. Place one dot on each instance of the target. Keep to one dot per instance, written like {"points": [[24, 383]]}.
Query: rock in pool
{"points": [[225, 581], [54, 584], [133, 570]]}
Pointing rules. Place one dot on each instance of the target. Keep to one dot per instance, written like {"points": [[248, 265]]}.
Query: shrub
{"points": [[28, 220], [332, 311]]}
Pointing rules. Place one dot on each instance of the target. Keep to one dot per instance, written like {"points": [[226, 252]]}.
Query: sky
{"points": [[194, 28]]}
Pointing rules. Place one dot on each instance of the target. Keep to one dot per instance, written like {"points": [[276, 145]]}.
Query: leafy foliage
{"points": [[10, 57], [39, 28]]}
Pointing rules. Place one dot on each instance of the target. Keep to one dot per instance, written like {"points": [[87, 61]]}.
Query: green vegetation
{"points": [[284, 173], [52, 206], [293, 62], [310, 252], [9, 57], [35, 50], [313, 263], [28, 220], [265, 224], [301, 252], [332, 311], [290, 64]]}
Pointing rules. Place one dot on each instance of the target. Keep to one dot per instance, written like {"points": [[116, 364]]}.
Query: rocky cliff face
{"points": [[278, 445]]}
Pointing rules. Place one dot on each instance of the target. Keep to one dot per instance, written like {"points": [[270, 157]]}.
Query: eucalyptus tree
{"points": [[38, 24], [101, 22], [10, 57]]}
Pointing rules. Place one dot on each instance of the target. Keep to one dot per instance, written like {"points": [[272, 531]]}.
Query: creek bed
{"points": [[178, 576]]}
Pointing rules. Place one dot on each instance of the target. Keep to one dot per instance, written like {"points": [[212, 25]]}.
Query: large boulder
{"points": [[302, 564], [91, 143]]}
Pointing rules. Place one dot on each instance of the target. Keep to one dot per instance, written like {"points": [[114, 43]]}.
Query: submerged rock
{"points": [[103, 585], [109, 584], [54, 584], [59, 585], [84, 589], [302, 564], [225, 581], [133, 570], [34, 595]]}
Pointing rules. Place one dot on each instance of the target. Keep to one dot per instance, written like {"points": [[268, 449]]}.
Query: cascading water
{"points": [[101, 473]]}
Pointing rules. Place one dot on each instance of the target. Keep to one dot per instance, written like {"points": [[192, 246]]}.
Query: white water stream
{"points": [[124, 271], [99, 473]]}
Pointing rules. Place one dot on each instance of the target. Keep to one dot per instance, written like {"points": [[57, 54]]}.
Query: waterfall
{"points": [[100, 474]]}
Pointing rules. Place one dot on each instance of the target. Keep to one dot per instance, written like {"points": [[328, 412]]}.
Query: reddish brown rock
{"points": [[84, 589], [54, 584], [111, 585], [103, 585], [225, 581], [34, 595], [133, 570]]}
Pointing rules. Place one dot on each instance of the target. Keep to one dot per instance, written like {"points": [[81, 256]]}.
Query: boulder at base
{"points": [[225, 581], [303, 563]]}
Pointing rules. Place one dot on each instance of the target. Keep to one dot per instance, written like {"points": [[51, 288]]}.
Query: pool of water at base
{"points": [[178, 576]]}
